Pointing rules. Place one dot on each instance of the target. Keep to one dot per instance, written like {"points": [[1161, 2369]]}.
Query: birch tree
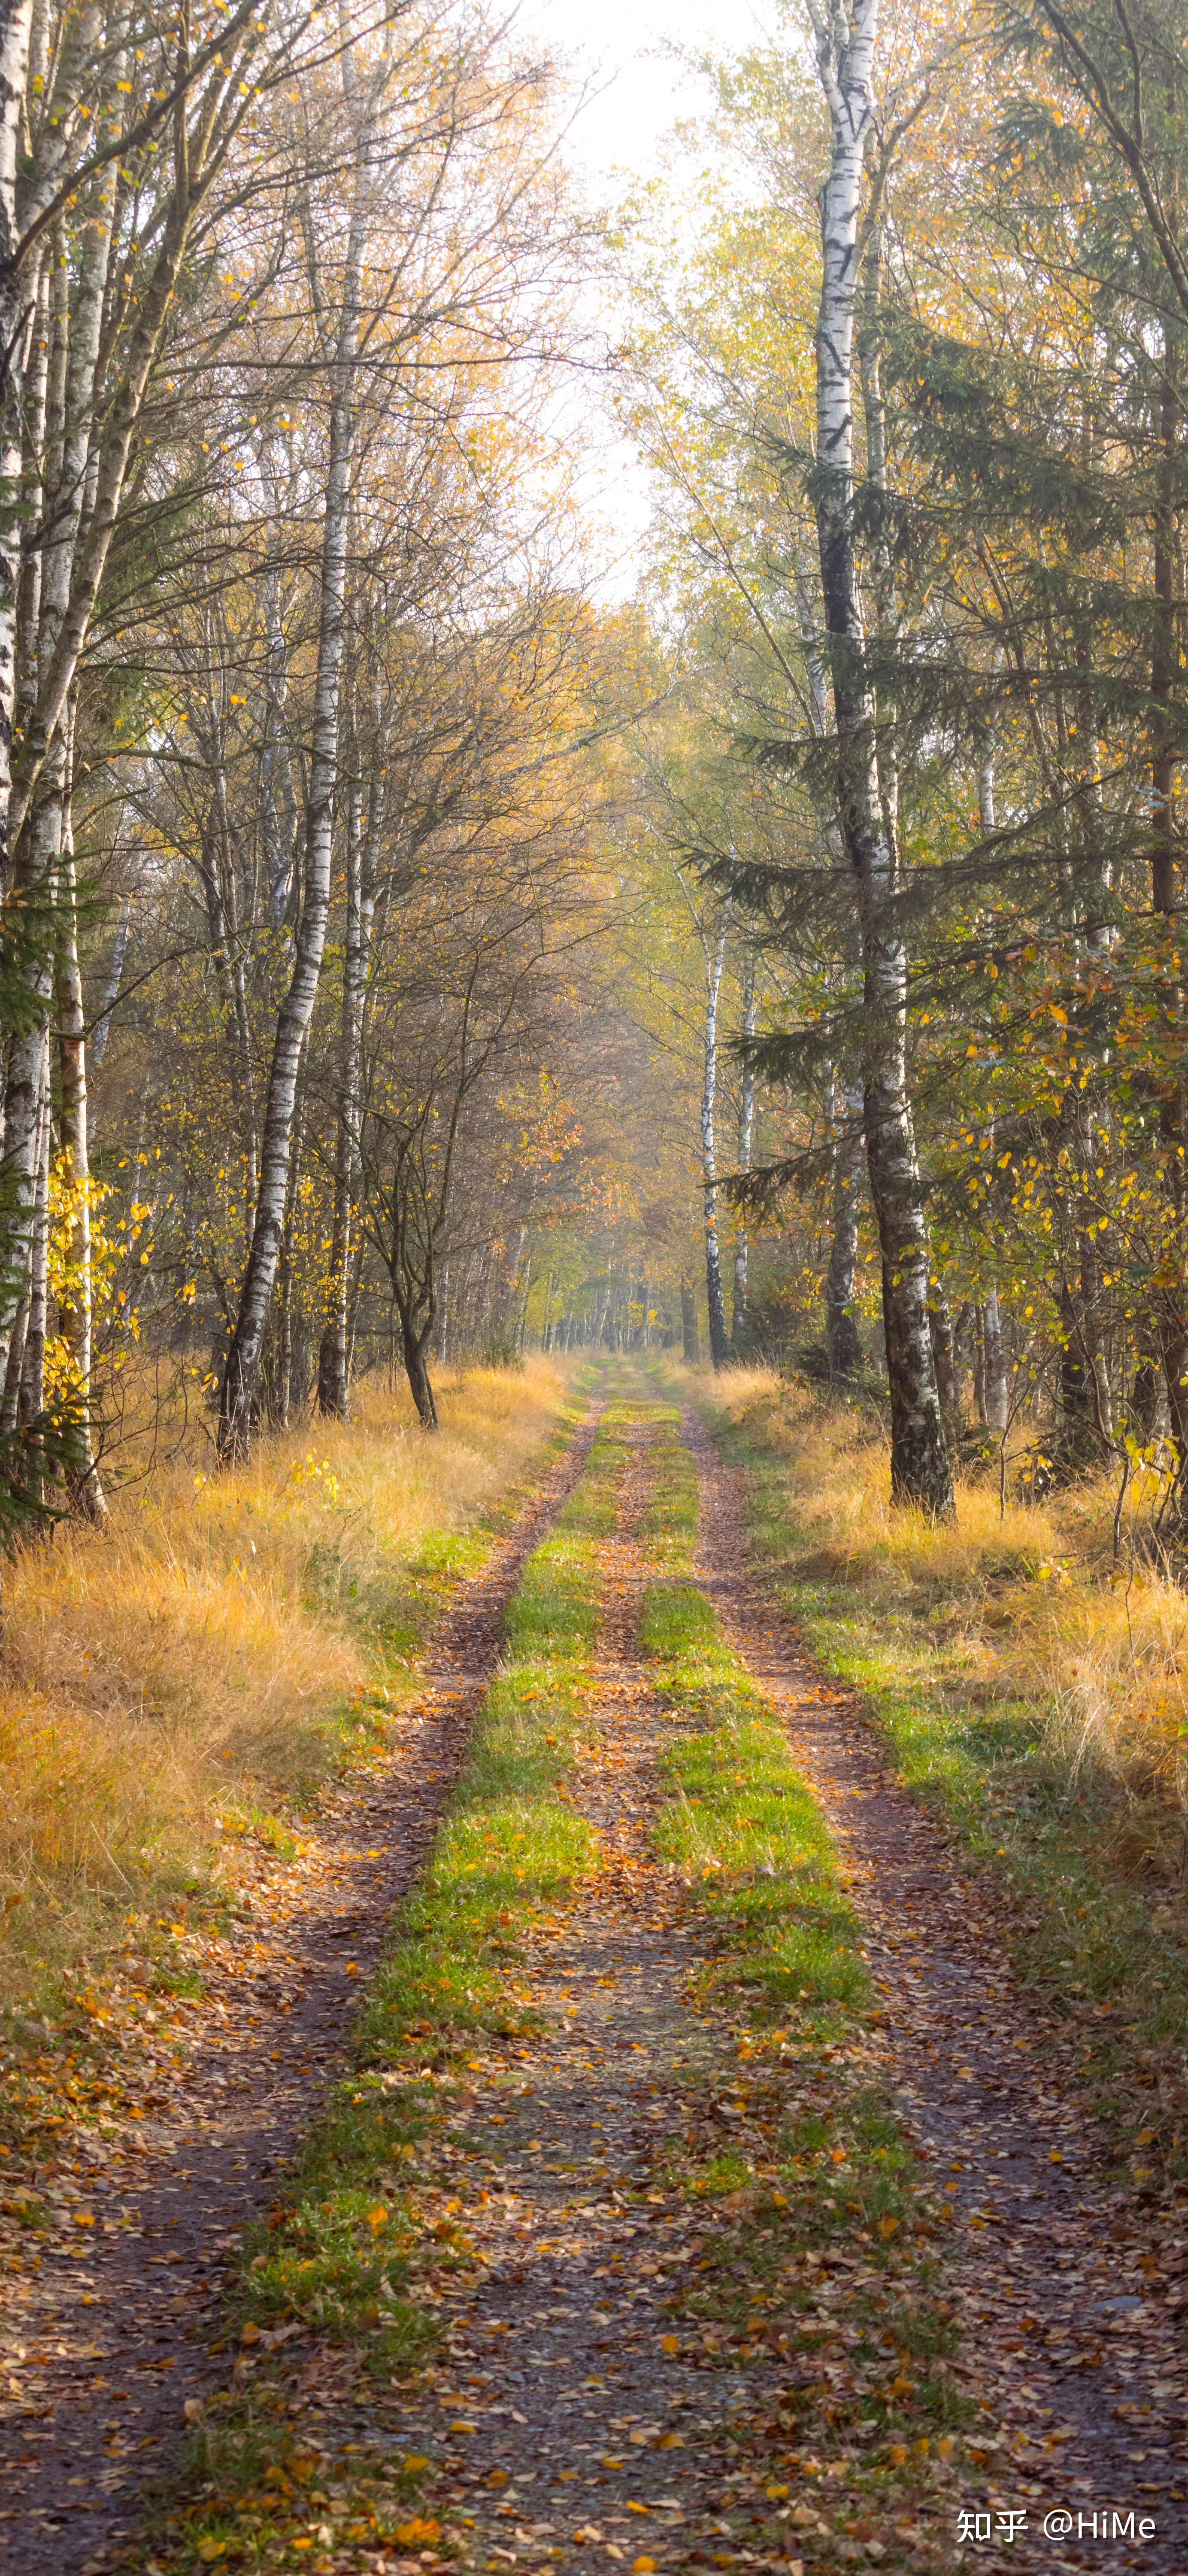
{"points": [[920, 1469], [337, 319]]}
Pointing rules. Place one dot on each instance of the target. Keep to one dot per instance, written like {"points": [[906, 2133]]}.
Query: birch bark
{"points": [[16, 18], [242, 1367], [715, 958], [920, 1471], [361, 844], [746, 1132], [842, 1343]]}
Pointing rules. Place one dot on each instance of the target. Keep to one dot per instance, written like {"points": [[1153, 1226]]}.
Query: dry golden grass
{"points": [[1029, 1605], [201, 1654]]}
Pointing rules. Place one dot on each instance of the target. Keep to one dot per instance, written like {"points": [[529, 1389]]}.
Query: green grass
{"points": [[668, 1529]]}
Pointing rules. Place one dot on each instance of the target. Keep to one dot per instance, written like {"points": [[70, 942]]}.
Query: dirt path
{"points": [[109, 2332], [563, 2423], [1070, 2289], [576, 2414]]}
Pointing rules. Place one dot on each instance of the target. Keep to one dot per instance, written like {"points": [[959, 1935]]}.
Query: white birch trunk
{"points": [[842, 1342], [243, 1359], [746, 1132], [16, 18], [362, 843], [995, 1389], [715, 959], [920, 1471]]}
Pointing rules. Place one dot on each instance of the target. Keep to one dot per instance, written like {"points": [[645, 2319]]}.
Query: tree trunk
{"points": [[746, 1131], [31, 1400], [334, 1355], [1172, 1308], [996, 1384], [920, 1470], [842, 1342], [243, 1358], [415, 1345], [16, 18], [112, 990], [943, 1359], [715, 959], [690, 1339], [37, 891], [74, 1320]]}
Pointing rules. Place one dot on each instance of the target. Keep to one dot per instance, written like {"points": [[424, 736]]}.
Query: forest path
{"points": [[1070, 2287], [109, 2333], [574, 2415]]}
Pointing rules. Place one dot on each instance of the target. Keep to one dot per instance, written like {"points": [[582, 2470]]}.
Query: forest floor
{"points": [[701, 2187]]}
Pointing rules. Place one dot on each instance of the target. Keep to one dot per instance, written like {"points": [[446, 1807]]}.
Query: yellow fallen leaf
{"points": [[420, 2533], [83, 2218], [632, 2507], [644, 2567], [414, 2461], [250, 2333], [670, 2343], [776, 2495], [671, 2442], [377, 2217]]}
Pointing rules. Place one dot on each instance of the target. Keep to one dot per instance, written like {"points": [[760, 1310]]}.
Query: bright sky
{"points": [[617, 136], [620, 42]]}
